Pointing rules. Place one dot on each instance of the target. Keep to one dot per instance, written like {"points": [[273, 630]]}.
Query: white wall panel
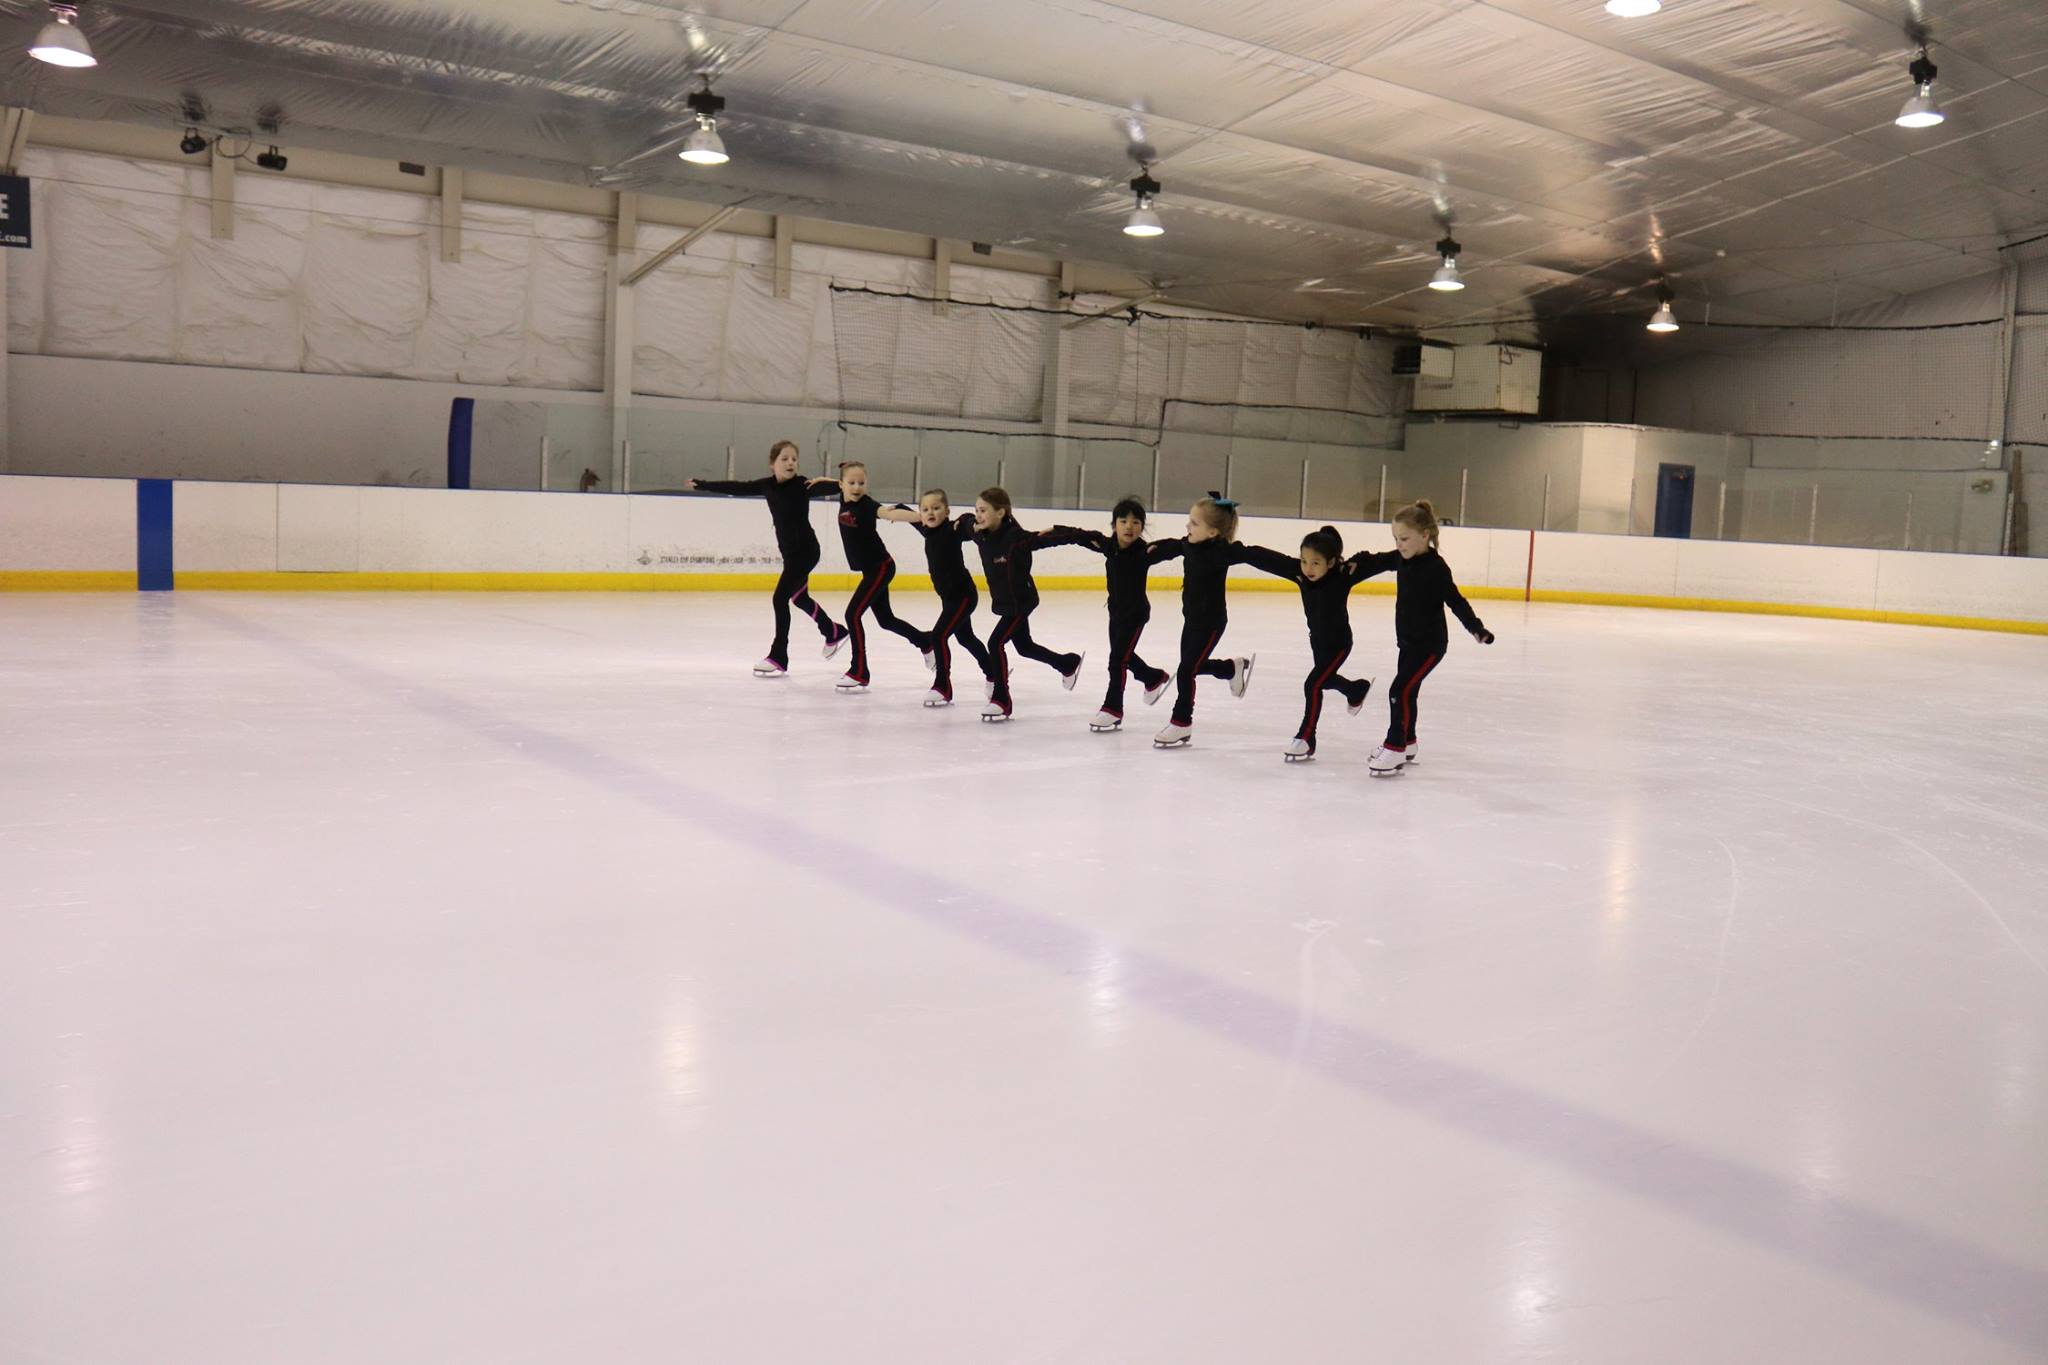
{"points": [[224, 527], [1813, 575], [74, 525], [319, 529]]}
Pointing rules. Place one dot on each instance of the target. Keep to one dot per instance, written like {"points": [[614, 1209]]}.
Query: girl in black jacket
{"points": [[1424, 589], [1006, 550], [1208, 550], [1128, 558], [789, 504], [943, 541], [1326, 579], [870, 558]]}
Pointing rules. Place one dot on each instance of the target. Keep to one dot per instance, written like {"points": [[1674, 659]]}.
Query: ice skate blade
{"points": [[994, 720], [935, 705], [771, 672], [1390, 772], [1104, 729], [1173, 743], [1299, 758]]}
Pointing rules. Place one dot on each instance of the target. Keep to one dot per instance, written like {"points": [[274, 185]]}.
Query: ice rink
{"points": [[421, 979]]}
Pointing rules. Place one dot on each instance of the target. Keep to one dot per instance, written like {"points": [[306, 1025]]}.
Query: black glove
{"points": [[1483, 636]]}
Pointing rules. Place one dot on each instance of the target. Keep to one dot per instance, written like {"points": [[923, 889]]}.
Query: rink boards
{"points": [[116, 534]]}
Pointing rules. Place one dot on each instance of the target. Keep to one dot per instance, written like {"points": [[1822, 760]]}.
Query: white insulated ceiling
{"points": [[1744, 148]]}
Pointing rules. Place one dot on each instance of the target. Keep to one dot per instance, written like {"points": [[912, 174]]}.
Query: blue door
{"points": [[1674, 500]]}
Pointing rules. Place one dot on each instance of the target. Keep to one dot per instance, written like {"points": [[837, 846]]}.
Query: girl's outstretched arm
{"points": [[898, 513], [732, 488], [1160, 550], [1270, 561], [824, 488], [1067, 535], [1365, 564]]}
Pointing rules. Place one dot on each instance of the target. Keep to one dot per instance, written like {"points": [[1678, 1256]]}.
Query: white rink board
{"points": [[51, 524]]}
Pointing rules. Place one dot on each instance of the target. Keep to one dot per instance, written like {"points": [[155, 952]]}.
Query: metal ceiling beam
{"points": [[14, 138], [679, 245]]}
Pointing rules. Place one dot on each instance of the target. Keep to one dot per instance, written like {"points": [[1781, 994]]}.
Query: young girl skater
{"points": [[1209, 549], [1006, 550], [866, 555], [1424, 587], [789, 504], [1326, 579], [953, 584], [1129, 559]]}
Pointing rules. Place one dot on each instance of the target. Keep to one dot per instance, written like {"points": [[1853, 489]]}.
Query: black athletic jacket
{"points": [[1423, 589], [857, 532], [1325, 601], [1006, 561], [1203, 574], [1127, 567], [942, 555], [789, 502]]}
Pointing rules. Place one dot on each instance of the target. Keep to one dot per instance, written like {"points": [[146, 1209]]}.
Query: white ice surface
{"points": [[461, 978]]}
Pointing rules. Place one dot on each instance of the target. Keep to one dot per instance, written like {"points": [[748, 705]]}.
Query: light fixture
{"points": [[272, 160], [1446, 277], [60, 43], [1633, 9], [704, 147], [1662, 320], [1920, 110], [193, 144], [1143, 222]]}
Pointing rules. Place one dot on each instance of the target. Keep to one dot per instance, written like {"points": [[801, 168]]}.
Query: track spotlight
{"points": [[193, 144], [1143, 222], [1633, 9], [60, 43], [1446, 277], [272, 160], [704, 147], [1920, 110], [1662, 320]]}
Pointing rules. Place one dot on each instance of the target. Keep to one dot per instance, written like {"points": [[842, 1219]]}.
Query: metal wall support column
{"points": [[13, 137], [785, 240], [619, 332], [451, 213], [223, 194], [942, 273]]}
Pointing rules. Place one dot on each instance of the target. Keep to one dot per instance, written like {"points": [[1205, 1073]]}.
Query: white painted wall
{"points": [[72, 525], [89, 524]]}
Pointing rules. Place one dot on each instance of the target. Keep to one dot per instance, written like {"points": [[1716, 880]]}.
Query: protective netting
{"points": [[1140, 372]]}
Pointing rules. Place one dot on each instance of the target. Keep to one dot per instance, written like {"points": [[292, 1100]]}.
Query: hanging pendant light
{"points": [[1144, 222], [1446, 278], [1663, 320], [1920, 110], [60, 43], [704, 147], [1633, 9]]}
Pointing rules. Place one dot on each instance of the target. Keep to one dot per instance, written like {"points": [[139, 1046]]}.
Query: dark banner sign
{"points": [[14, 211]]}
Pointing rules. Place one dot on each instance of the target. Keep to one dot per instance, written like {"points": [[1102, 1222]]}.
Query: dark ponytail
{"points": [[1327, 542]]}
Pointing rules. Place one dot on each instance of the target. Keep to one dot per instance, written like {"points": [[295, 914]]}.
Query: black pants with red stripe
{"points": [[873, 595], [956, 622], [1416, 663], [1198, 641], [1324, 677], [1124, 661], [1014, 628], [794, 589]]}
